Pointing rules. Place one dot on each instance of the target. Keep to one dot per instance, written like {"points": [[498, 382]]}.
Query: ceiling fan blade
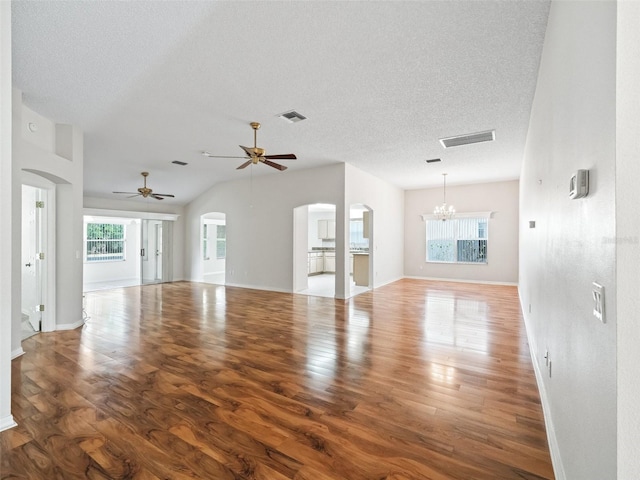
{"points": [[163, 195], [284, 156], [220, 156], [274, 165], [135, 195], [128, 193], [244, 165], [157, 197], [248, 150]]}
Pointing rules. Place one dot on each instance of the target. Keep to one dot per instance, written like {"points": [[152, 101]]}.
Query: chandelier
{"points": [[444, 212]]}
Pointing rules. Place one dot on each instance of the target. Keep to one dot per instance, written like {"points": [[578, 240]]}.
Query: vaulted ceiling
{"points": [[150, 82]]}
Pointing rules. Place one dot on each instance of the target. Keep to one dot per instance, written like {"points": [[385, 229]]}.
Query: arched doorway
{"points": [[314, 250], [213, 247]]}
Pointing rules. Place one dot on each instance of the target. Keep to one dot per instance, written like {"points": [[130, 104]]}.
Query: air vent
{"points": [[178, 162], [488, 136], [292, 116], [433, 160]]}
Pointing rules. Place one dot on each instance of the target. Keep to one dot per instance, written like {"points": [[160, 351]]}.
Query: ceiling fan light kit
{"points": [[145, 192], [256, 154]]}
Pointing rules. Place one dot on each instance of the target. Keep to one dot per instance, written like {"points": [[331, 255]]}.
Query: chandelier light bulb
{"points": [[444, 212]]}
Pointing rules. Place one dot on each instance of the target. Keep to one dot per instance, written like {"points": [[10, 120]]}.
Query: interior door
{"points": [[32, 207]]}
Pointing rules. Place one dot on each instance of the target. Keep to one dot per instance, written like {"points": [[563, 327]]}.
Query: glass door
{"points": [[155, 251]]}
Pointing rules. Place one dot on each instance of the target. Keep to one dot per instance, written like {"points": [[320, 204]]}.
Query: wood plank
{"points": [[415, 380]]}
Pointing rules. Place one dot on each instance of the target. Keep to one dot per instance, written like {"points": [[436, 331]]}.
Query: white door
{"points": [[32, 248]]}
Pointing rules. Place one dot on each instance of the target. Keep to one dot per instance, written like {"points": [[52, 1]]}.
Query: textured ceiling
{"points": [[150, 82]]}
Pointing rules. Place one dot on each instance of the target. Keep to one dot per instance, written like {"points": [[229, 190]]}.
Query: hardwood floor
{"points": [[415, 380]]}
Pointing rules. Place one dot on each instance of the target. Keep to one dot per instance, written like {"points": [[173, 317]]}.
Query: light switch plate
{"points": [[598, 301]]}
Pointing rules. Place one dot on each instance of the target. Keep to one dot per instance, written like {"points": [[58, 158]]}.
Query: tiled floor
{"points": [[91, 287], [324, 286], [26, 328]]}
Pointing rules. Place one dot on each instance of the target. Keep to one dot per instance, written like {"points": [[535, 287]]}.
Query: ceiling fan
{"points": [[257, 155], [147, 192]]}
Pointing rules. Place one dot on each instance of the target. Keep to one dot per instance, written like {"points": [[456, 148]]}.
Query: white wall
{"points": [[628, 237], [502, 254], [54, 152], [260, 219], [9, 306], [386, 245], [145, 209], [572, 127]]}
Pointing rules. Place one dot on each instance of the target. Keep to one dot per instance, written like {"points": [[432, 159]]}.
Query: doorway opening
{"points": [[314, 260], [125, 252], [213, 256], [360, 248]]}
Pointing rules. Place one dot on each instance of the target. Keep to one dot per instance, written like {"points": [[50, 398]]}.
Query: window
{"points": [[356, 234], [461, 240], [205, 241], [105, 242], [221, 241]]}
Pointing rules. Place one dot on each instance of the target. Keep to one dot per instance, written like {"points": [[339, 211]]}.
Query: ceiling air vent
{"points": [[433, 160], [488, 136], [178, 162], [292, 116]]}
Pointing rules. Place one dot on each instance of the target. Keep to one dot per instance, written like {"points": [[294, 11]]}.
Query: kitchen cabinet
{"points": [[361, 269], [326, 229], [315, 262], [330, 262], [365, 223]]}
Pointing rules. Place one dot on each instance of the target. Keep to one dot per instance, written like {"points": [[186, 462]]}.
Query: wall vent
{"points": [[292, 116], [488, 136]]}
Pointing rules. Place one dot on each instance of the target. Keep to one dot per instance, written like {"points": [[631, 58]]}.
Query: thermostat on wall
{"points": [[579, 184]]}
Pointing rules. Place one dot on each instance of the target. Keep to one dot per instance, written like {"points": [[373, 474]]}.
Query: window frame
{"points": [[221, 241], [470, 215], [123, 240]]}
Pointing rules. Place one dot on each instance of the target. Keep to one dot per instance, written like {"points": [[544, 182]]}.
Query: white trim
{"points": [[18, 352], [7, 422], [554, 447], [70, 326], [252, 287], [462, 280], [487, 215], [99, 212]]}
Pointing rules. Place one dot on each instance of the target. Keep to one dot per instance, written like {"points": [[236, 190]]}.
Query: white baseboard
{"points": [[17, 353], [70, 326], [462, 280], [7, 422], [554, 447], [258, 287]]}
